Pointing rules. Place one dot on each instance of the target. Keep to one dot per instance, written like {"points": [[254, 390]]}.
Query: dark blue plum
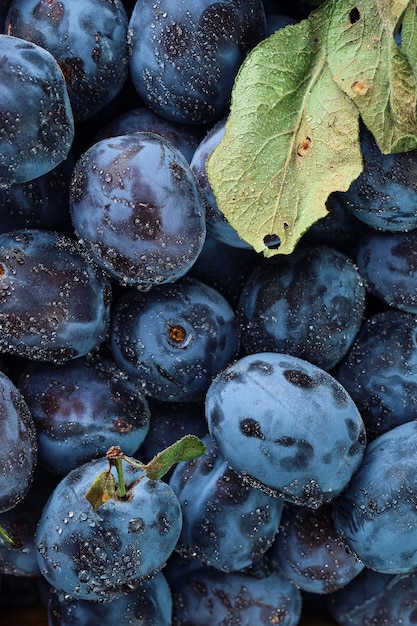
{"points": [[384, 196], [357, 601], [173, 339], [379, 371], [226, 523], [214, 258], [18, 451], [39, 203], [186, 54], [102, 554], [375, 598], [168, 422], [138, 209], [36, 120], [388, 264], [54, 304], [311, 553], [276, 20], [309, 304], [141, 119], [178, 565], [288, 425], [4, 7], [88, 39], [206, 596], [339, 229], [217, 225], [377, 514], [81, 409], [149, 605], [20, 523]]}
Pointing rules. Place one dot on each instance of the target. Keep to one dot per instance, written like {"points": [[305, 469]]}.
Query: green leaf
{"points": [[292, 134], [101, 490], [185, 449], [372, 70], [291, 139], [409, 35]]}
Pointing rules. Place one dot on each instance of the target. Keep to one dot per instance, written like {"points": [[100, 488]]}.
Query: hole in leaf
{"points": [[354, 15], [272, 242]]}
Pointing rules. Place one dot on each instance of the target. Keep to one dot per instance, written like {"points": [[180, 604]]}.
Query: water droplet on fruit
{"points": [[136, 525], [100, 554], [84, 576]]}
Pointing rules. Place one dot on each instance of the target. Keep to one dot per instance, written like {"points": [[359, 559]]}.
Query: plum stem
{"points": [[187, 448], [115, 457], [10, 540], [103, 487]]}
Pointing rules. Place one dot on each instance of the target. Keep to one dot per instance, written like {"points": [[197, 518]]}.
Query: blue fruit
{"points": [[18, 451], [102, 554], [372, 597], [36, 120], [54, 304], [141, 119], [288, 425], [88, 39], [311, 553], [217, 225], [226, 523], [20, 523], [168, 422], [150, 604], [377, 515], [388, 264], [210, 266], [185, 55], [379, 370], [207, 596], [39, 203], [173, 339], [309, 304], [276, 20], [138, 209], [338, 229], [384, 196], [80, 409]]}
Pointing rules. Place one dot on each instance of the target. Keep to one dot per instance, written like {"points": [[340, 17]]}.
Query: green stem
{"points": [[121, 484], [185, 449], [5, 535], [115, 456]]}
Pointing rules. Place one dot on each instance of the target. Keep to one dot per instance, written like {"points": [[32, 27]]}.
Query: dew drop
{"points": [[84, 576], [136, 525]]}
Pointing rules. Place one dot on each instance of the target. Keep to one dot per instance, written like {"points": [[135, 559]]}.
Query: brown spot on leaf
{"points": [[304, 147], [359, 88]]}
